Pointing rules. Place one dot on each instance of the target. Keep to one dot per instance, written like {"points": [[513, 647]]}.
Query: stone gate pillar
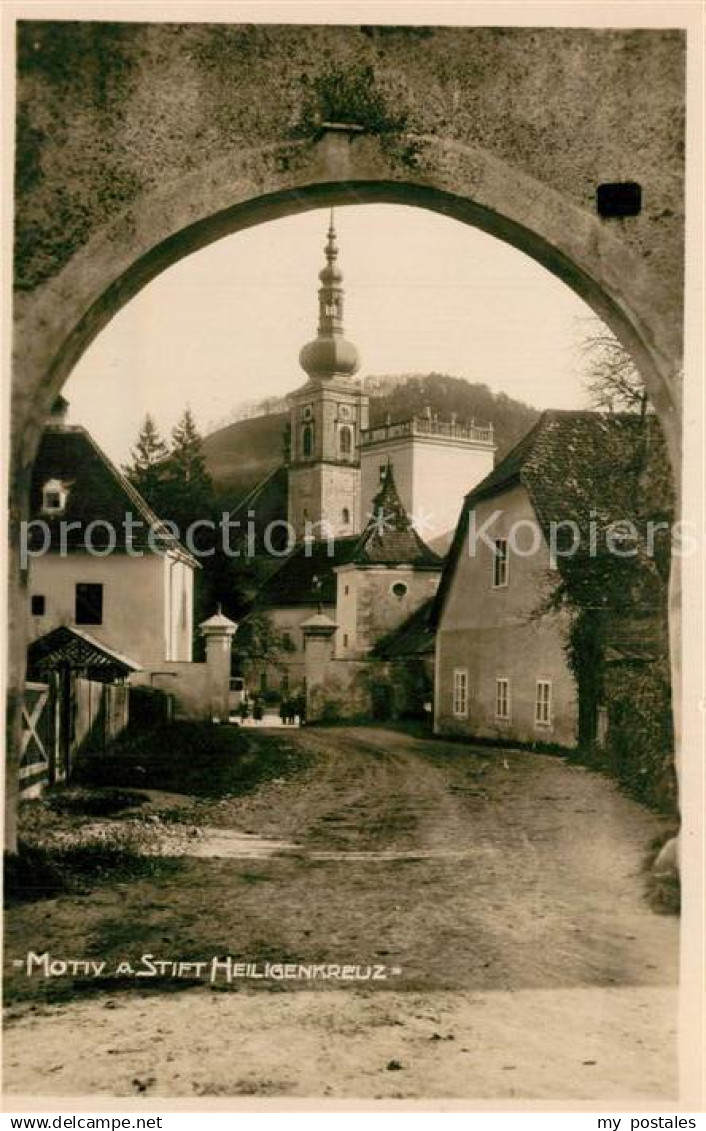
{"points": [[319, 633], [218, 632]]}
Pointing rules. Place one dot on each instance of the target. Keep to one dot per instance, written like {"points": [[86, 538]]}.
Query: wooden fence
{"points": [[62, 717]]}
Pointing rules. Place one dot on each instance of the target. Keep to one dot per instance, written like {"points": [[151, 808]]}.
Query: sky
{"points": [[423, 293]]}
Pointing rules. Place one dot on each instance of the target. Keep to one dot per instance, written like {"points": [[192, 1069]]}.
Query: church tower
{"points": [[326, 418]]}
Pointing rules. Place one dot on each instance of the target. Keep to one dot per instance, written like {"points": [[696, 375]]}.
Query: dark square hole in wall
{"points": [[38, 605], [619, 198]]}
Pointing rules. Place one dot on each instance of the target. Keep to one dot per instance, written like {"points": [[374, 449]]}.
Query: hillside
{"points": [[240, 454]]}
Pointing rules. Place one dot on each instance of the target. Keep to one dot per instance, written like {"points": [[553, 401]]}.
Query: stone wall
{"points": [[139, 143]]}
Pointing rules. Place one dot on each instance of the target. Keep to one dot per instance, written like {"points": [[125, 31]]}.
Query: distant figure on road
{"points": [[299, 708], [243, 710]]}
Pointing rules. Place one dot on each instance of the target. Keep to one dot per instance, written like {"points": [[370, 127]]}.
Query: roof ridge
{"points": [[133, 495], [252, 494]]}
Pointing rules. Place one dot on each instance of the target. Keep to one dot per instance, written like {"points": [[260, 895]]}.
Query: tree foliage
{"points": [[615, 593], [147, 470], [259, 643], [611, 377]]}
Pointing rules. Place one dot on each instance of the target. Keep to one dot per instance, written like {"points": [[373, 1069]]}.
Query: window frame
{"points": [[540, 703], [501, 564], [308, 440], [459, 698], [40, 598], [345, 447], [56, 489], [502, 698]]}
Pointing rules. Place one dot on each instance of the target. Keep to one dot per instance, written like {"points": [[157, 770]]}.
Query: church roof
{"points": [[389, 537], [307, 575]]}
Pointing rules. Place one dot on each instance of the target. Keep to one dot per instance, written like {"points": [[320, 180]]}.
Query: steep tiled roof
{"points": [[293, 583], [388, 539], [96, 491], [574, 465]]}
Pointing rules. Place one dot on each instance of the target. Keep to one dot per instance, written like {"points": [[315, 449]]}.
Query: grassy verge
{"points": [[189, 757], [44, 870]]}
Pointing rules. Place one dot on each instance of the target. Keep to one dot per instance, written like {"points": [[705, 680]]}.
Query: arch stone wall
{"points": [[138, 143]]}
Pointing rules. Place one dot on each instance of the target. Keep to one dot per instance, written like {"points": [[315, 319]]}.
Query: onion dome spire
{"points": [[330, 354]]}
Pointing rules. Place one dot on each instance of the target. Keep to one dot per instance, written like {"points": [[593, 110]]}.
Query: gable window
{"points": [[543, 703], [54, 496], [89, 603], [307, 440], [38, 605], [345, 441], [500, 563], [399, 589], [460, 693], [502, 698]]}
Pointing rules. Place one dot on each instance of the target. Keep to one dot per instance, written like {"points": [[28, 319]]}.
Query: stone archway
{"points": [[383, 145]]}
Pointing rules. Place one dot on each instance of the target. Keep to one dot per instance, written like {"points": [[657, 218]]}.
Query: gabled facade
{"points": [[502, 669]]}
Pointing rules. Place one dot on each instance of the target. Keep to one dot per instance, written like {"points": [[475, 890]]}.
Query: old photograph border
{"points": [[689, 16]]}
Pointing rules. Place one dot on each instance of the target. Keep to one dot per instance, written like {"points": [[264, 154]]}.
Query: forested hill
{"points": [[240, 454]]}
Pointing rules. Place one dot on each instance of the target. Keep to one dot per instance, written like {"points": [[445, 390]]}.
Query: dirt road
{"points": [[504, 888]]}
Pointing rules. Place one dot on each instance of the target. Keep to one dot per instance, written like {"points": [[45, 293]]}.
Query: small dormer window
{"points": [[54, 496]]}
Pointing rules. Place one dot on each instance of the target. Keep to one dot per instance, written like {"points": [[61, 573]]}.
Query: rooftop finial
{"points": [[330, 354]]}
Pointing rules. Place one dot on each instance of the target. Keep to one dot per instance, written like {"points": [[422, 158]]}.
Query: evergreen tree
{"points": [[147, 472]]}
